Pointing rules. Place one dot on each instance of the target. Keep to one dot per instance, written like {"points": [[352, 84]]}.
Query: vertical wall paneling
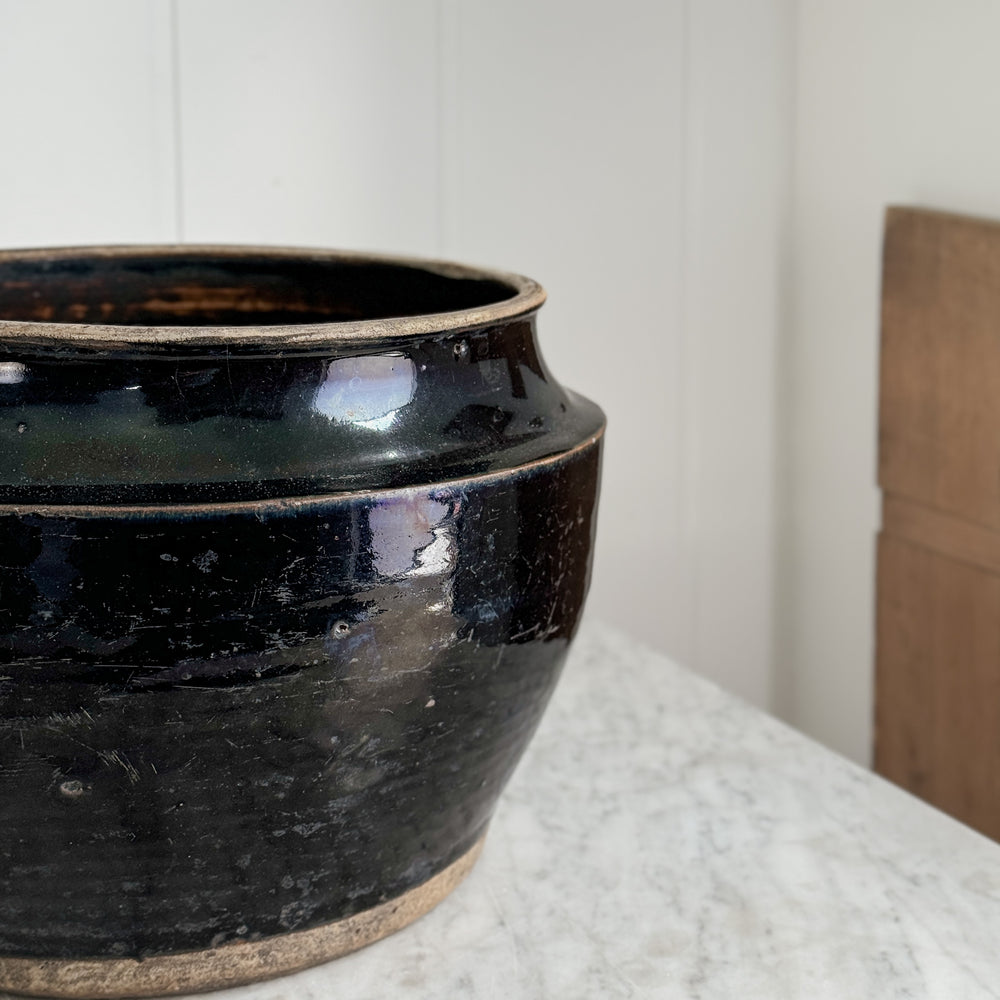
{"points": [[737, 147], [86, 132], [310, 122]]}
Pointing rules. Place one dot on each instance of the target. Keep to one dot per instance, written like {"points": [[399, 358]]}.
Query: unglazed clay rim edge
{"points": [[528, 297], [237, 964], [278, 505]]}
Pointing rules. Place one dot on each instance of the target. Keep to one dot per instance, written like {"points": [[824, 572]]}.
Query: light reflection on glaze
{"points": [[413, 535], [12, 372], [366, 391]]}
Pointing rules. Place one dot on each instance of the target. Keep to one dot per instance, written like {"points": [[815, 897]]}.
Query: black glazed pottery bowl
{"points": [[292, 546]]}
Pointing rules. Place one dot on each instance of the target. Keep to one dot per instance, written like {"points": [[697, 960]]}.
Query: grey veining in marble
{"points": [[662, 839]]}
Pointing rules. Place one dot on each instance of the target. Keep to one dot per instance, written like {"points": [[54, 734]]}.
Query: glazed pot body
{"points": [[280, 603]]}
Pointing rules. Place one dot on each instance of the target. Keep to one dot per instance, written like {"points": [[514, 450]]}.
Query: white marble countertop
{"points": [[661, 839]]}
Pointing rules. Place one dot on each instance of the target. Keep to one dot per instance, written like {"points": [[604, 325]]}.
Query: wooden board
{"points": [[938, 606], [937, 718], [939, 420]]}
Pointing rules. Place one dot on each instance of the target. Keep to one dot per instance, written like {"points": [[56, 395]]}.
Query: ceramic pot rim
{"points": [[527, 297]]}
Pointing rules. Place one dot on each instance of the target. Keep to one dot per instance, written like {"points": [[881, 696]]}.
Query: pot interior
{"points": [[230, 287]]}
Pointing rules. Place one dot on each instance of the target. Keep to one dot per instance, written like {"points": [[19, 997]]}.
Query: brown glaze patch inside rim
{"points": [[232, 964], [158, 297]]}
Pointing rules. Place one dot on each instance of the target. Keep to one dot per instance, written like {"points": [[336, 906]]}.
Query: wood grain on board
{"points": [[938, 606]]}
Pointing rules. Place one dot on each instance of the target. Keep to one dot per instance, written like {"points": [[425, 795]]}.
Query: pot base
{"points": [[234, 964]]}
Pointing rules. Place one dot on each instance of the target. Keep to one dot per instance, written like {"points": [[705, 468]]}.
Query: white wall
{"points": [[738, 156], [898, 101], [86, 122], [629, 157], [310, 122]]}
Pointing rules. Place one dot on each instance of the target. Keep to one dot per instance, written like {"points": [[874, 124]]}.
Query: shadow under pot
{"points": [[292, 547]]}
